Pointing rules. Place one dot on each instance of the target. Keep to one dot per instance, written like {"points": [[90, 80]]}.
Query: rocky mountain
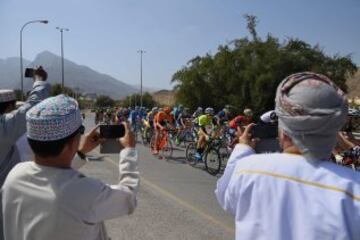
{"points": [[9, 72], [78, 77], [164, 97]]}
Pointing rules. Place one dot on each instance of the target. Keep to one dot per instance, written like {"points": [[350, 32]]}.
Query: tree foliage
{"points": [[245, 73], [104, 101], [56, 89], [134, 100]]}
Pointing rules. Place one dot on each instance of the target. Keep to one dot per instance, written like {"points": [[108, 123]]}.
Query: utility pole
{"points": [[62, 57], [141, 76]]}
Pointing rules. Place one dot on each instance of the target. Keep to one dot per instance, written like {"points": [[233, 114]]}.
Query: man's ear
{"points": [[284, 140], [73, 144]]}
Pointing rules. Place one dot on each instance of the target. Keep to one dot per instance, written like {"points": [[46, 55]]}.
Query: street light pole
{"points": [[62, 56], [141, 75], [21, 52]]}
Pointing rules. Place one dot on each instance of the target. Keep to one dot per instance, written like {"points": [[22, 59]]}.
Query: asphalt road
{"points": [[176, 201]]}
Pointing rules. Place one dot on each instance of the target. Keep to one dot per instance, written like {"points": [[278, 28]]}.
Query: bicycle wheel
{"points": [[152, 143], [167, 151], [190, 153], [149, 135], [143, 136], [166, 148], [188, 138], [212, 161]]}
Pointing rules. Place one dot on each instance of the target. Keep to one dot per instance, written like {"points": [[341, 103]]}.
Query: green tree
{"points": [[134, 99], [56, 89], [245, 73], [104, 101]]}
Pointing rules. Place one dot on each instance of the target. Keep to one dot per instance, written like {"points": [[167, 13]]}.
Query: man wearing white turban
{"points": [[297, 194]]}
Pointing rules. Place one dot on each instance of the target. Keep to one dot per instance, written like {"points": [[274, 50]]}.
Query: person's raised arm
{"points": [[243, 149], [113, 201], [15, 121]]}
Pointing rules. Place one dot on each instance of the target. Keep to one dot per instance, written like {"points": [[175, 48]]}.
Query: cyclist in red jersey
{"points": [[238, 122]]}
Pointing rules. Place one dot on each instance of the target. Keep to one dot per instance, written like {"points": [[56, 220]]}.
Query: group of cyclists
{"points": [[199, 127], [206, 123]]}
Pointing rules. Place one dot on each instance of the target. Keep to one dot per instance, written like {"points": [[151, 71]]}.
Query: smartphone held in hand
{"points": [[267, 135], [111, 134]]}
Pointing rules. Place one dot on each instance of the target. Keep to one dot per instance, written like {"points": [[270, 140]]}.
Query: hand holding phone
{"points": [[262, 138], [112, 131], [264, 131], [116, 138]]}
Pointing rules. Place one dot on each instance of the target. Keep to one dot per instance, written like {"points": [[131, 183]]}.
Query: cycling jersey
{"points": [[134, 115], [204, 120], [206, 123], [239, 121], [197, 113], [222, 117], [183, 116], [162, 118], [150, 118]]}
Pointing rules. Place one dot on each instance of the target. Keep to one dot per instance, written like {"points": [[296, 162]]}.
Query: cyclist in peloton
{"points": [[198, 112], [183, 122], [223, 116], [134, 118], [239, 122], [207, 124], [161, 120], [176, 112], [150, 116]]}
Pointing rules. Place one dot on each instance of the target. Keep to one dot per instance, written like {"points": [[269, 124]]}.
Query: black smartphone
{"points": [[112, 131], [29, 72], [268, 145], [264, 131]]}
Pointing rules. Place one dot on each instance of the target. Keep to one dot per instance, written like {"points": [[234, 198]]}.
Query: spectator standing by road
{"points": [[13, 123], [59, 202], [297, 194]]}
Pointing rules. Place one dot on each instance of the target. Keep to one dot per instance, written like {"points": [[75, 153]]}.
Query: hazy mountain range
{"points": [[78, 77]]}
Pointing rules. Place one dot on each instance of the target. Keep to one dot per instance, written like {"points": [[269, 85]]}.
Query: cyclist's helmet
{"points": [[248, 112], [154, 109], [199, 109], [209, 111], [226, 110], [167, 110], [125, 111]]}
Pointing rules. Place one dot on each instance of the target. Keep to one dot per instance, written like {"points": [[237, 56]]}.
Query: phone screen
{"points": [[112, 131], [264, 131]]}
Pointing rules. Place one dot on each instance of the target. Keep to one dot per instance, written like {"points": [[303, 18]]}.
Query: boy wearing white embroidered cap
{"points": [[62, 202]]}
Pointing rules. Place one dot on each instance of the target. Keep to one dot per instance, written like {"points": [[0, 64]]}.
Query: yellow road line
{"points": [[180, 201]]}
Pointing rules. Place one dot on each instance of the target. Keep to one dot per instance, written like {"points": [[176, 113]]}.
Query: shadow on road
{"points": [[177, 160]]}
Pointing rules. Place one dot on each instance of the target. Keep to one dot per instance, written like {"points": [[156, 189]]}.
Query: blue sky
{"points": [[106, 34]]}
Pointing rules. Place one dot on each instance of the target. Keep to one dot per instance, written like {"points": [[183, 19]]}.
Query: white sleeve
{"points": [[222, 192], [77, 162], [117, 200]]}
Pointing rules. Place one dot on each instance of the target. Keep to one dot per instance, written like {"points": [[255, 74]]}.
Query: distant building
{"points": [[90, 96]]}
